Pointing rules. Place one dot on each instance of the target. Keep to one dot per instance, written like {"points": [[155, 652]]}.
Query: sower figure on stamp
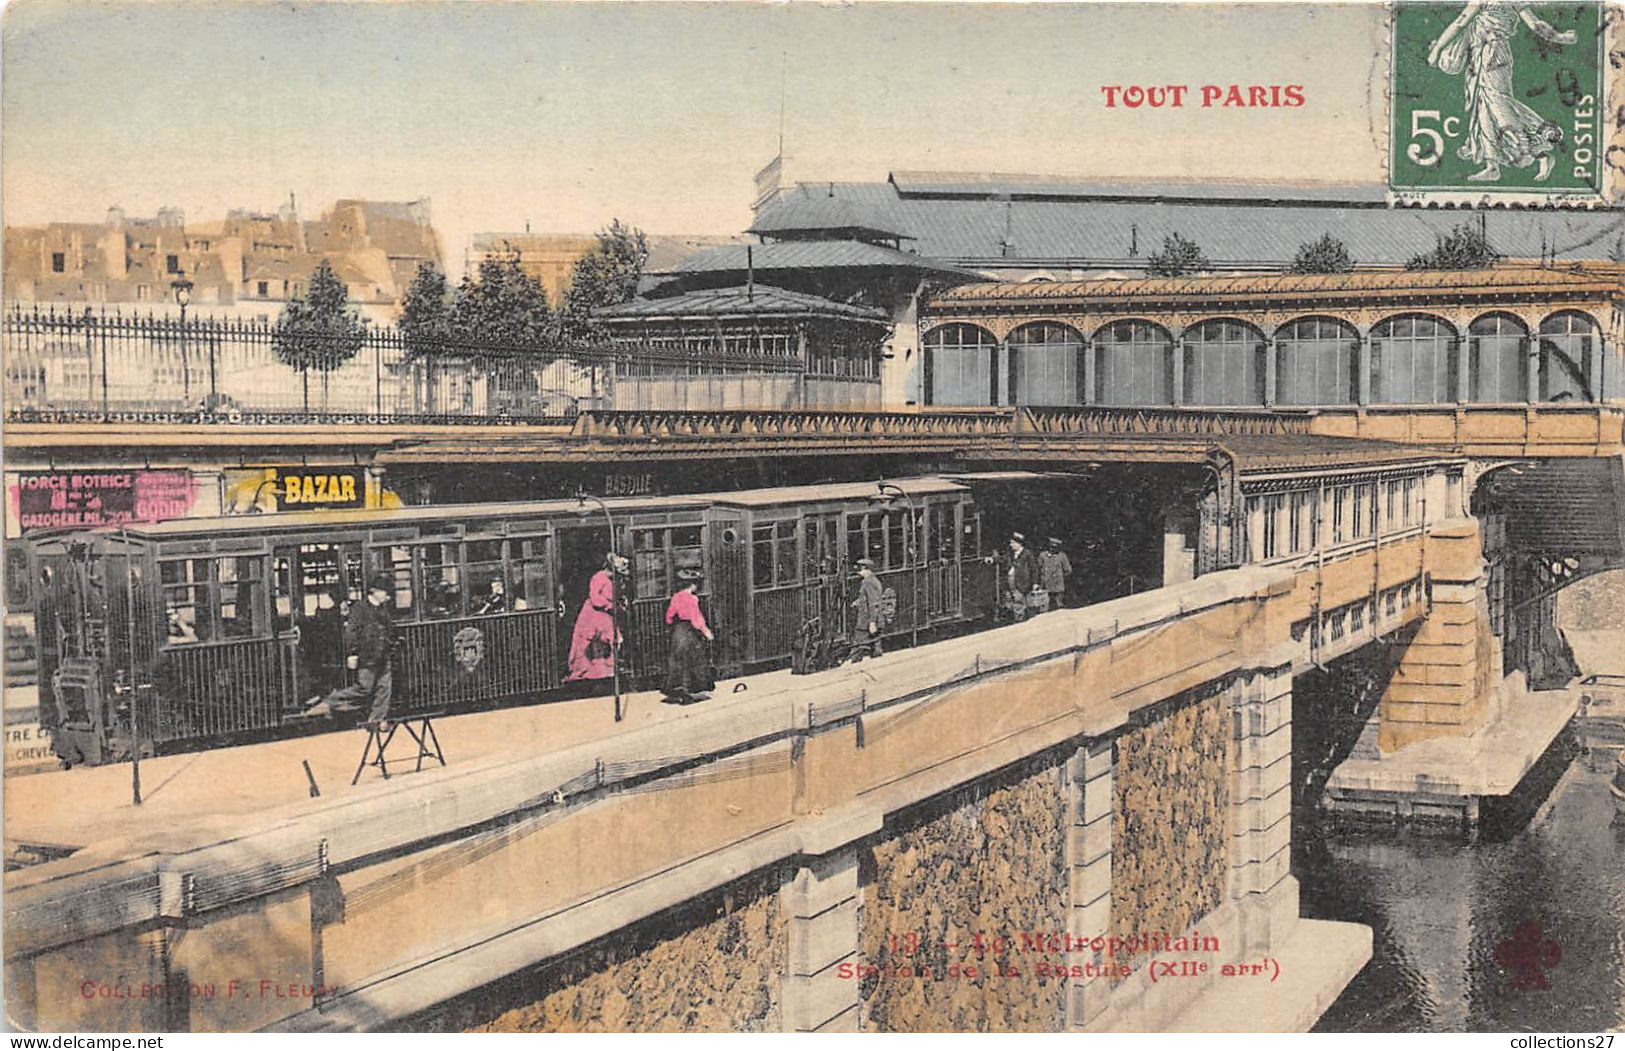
{"points": [[372, 631], [1501, 129], [868, 613]]}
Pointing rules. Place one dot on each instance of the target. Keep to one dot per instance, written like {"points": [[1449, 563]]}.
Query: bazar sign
{"points": [[321, 487], [99, 499]]}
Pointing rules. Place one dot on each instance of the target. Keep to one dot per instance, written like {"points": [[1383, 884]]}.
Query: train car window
{"points": [[487, 586], [820, 544], [898, 551], [185, 583], [395, 562], [941, 533], [242, 580], [773, 555], [528, 564], [687, 549], [649, 576], [282, 593], [442, 581]]}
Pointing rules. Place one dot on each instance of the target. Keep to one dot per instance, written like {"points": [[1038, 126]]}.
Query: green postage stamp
{"points": [[1496, 97]]}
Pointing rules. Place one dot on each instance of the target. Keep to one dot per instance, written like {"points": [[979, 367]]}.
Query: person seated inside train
{"points": [[181, 625], [495, 600]]}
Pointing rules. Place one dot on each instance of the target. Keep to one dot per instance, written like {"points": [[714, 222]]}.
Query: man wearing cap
{"points": [[1053, 569], [1022, 575], [867, 612], [372, 632]]}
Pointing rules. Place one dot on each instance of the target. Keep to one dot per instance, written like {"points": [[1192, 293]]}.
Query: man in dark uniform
{"points": [[1023, 574], [372, 632], [867, 613]]}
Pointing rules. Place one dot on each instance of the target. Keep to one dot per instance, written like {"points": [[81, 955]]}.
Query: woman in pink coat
{"points": [[595, 638], [688, 669]]}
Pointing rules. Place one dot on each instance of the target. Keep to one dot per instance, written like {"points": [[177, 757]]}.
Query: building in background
{"points": [[248, 264], [551, 258]]}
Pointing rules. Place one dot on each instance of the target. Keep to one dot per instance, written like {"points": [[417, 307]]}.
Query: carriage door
{"points": [[314, 583], [730, 590]]}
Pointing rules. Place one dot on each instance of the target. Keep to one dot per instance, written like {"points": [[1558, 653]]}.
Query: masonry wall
{"points": [[714, 965], [987, 860], [1171, 818]]}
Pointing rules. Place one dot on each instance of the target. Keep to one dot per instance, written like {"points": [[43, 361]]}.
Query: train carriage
{"points": [[213, 629]]}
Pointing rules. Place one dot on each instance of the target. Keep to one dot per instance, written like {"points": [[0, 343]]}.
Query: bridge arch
{"points": [[1224, 363], [961, 365], [1315, 360], [1497, 354], [1414, 360], [1046, 364], [1133, 363], [1569, 358]]}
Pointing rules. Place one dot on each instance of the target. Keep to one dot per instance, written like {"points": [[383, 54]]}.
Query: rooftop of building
{"points": [[1013, 221], [1510, 280], [742, 301]]}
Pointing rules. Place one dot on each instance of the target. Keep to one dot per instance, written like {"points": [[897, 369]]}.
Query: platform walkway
{"points": [[90, 808]]}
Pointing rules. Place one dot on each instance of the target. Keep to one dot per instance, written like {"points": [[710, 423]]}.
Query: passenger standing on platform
{"points": [[1022, 575], [1053, 570], [372, 632], [688, 669], [596, 637], [868, 613]]}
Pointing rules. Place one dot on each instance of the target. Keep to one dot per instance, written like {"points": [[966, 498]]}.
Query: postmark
{"points": [[1500, 99]]}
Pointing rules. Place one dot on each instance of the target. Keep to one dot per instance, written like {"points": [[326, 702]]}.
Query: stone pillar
{"points": [[1271, 377], [1362, 368], [821, 907], [1176, 372], [1089, 849], [1089, 366], [1006, 391], [1260, 882], [1443, 679]]}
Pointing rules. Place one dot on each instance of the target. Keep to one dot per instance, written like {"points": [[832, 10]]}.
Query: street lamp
{"points": [[183, 295], [582, 497], [889, 489]]}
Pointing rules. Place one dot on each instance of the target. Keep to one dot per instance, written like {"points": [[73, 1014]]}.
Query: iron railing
{"points": [[107, 367]]}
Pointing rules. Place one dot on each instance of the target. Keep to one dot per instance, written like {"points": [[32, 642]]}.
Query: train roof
{"points": [[306, 520]]}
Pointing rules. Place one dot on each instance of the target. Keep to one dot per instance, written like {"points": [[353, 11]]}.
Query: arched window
{"points": [[1566, 341], [1496, 345], [1224, 364], [1413, 361], [1045, 359], [1133, 364], [961, 366], [1314, 362]]}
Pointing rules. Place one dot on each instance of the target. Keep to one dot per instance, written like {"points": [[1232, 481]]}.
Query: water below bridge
{"points": [[1522, 930]]}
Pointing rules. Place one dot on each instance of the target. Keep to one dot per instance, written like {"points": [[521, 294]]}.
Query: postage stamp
{"points": [[1498, 97]]}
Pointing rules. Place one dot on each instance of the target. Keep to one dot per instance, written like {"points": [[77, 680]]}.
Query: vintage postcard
{"points": [[746, 517]]}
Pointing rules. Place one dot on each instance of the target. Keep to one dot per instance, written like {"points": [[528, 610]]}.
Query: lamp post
{"points": [[183, 295], [582, 499], [889, 489]]}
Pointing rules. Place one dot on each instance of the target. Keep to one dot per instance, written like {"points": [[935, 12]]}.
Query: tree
{"points": [[1176, 258], [1464, 248], [319, 331], [606, 276], [500, 303], [1325, 256], [425, 318]]}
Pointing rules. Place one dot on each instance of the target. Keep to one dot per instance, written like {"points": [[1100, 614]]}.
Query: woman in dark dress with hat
{"points": [[688, 669]]}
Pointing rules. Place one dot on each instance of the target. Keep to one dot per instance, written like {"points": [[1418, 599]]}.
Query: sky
{"points": [[565, 115]]}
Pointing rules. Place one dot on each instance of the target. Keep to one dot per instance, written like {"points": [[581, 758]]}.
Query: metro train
{"points": [[202, 632]]}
